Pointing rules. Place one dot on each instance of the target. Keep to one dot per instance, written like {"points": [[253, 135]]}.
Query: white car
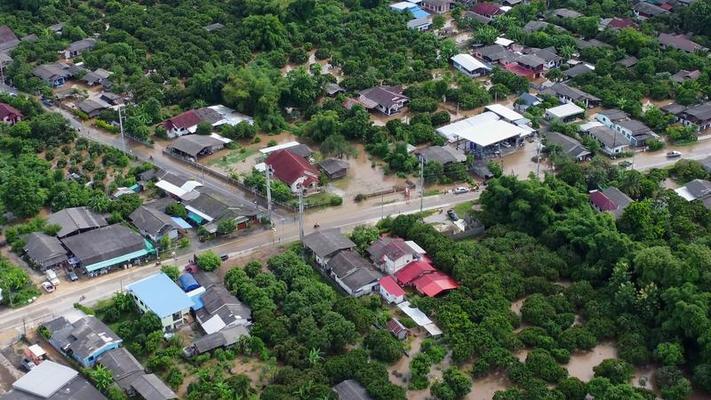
{"points": [[48, 287], [461, 189]]}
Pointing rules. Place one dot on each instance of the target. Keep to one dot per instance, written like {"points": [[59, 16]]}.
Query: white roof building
{"points": [[564, 111], [482, 130], [451, 131], [45, 379], [501, 41], [468, 62], [402, 6], [505, 112]]}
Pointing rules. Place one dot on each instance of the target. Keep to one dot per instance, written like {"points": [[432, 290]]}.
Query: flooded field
{"points": [[581, 364], [485, 388]]}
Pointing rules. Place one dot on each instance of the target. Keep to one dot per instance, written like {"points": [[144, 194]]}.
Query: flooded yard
{"points": [[485, 388], [581, 364]]}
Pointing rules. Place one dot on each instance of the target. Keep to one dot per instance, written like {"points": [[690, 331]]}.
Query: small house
{"points": [[566, 112], [221, 310], [52, 381], [293, 170], [92, 107], [610, 200], [611, 141], [8, 39], [195, 146], [391, 291], [352, 273], [351, 390], [45, 252], [153, 224], [469, 65], [437, 6], [697, 189], [388, 100], [570, 147], [75, 220], [679, 42], [334, 168], [83, 340], [526, 100], [697, 116], [569, 94], [391, 254], [9, 114], [397, 329], [326, 243], [80, 46]]}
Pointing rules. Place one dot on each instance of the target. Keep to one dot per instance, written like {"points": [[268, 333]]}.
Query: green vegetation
{"points": [[232, 157], [17, 288], [208, 261]]}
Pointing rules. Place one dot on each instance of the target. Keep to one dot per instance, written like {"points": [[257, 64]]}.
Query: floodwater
{"points": [[581, 364], [516, 306], [485, 388]]}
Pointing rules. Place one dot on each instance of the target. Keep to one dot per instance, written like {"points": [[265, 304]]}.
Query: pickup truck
{"points": [[52, 277]]}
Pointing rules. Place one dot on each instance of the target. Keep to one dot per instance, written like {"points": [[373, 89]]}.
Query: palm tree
{"points": [[567, 51], [314, 356]]}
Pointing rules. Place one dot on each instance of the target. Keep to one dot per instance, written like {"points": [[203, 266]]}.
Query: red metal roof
{"points": [[519, 70], [414, 270], [390, 286], [486, 9], [601, 201], [395, 327], [7, 110], [621, 23], [289, 167], [435, 283], [183, 121]]}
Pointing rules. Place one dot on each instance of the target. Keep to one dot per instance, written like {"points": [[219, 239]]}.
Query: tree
{"points": [[669, 354], [172, 271], [264, 32], [617, 371], [176, 210], [337, 145], [203, 128], [485, 34], [101, 377], [383, 346], [208, 261], [364, 235], [455, 385], [22, 193], [226, 226]]}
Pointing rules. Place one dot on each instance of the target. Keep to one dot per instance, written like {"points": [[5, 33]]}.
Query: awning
{"points": [[117, 260], [195, 218], [181, 223]]}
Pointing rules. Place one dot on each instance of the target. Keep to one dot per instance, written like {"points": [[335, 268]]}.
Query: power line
{"points": [[422, 183]]}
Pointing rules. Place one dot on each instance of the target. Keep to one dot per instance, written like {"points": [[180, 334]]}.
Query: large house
{"points": [[610, 200], [160, 295], [698, 116], [634, 131], [386, 99], [99, 250], [9, 114], [611, 141], [326, 243], [83, 340], [52, 381], [293, 170], [392, 254]]}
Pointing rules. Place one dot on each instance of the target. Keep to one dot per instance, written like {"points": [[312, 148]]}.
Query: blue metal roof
{"points": [[188, 282], [160, 295], [417, 12], [197, 301], [183, 224]]}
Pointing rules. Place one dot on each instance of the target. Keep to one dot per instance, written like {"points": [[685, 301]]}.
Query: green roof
{"points": [[150, 249]]}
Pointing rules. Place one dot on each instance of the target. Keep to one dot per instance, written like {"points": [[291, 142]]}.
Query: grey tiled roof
{"points": [[327, 242], [104, 244], [73, 220], [46, 251]]}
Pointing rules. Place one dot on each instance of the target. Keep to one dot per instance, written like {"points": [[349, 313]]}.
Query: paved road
{"points": [[286, 231], [658, 159], [155, 156]]}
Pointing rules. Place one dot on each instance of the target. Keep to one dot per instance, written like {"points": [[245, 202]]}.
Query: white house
{"points": [[160, 295], [391, 254]]}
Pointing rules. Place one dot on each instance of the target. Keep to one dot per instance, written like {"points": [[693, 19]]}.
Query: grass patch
{"points": [[432, 192], [323, 199], [232, 157], [464, 208]]}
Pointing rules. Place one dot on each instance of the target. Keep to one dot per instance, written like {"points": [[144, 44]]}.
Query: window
{"points": [[177, 316]]}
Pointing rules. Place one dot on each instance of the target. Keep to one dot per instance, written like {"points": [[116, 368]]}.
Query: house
{"points": [[54, 74], [8, 39], [75, 220], [195, 146], [221, 310], [611, 141], [441, 154], [334, 168], [706, 163], [698, 116], [485, 134], [420, 24], [469, 65], [535, 26], [566, 112], [182, 124], [96, 77], [397, 329], [79, 47], [92, 107], [333, 89], [507, 114], [437, 6], [111, 98], [487, 10], [52, 381], [583, 44], [45, 252], [56, 28], [293, 170], [569, 94], [420, 318], [391, 254], [493, 53], [352, 273], [351, 390], [99, 250], [481, 169], [386, 99], [529, 66], [684, 75], [324, 244], [83, 340], [550, 57], [644, 10], [565, 13], [391, 291], [213, 27], [407, 275], [570, 147], [610, 200], [297, 148], [679, 42], [578, 70], [698, 189], [150, 387], [153, 224], [209, 207], [634, 131], [223, 338], [178, 187], [526, 100], [160, 295], [9, 114], [434, 284]]}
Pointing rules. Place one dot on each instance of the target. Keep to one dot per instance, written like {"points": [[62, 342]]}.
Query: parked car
{"points": [[673, 154], [452, 215], [461, 189], [224, 257], [625, 164], [72, 276], [27, 364], [48, 287]]}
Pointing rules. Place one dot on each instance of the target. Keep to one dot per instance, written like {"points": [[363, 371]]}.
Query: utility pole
{"points": [[301, 215], [268, 175], [422, 183], [123, 138], [538, 158]]}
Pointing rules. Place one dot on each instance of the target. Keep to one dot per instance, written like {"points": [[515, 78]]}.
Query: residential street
{"points": [[658, 159]]}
